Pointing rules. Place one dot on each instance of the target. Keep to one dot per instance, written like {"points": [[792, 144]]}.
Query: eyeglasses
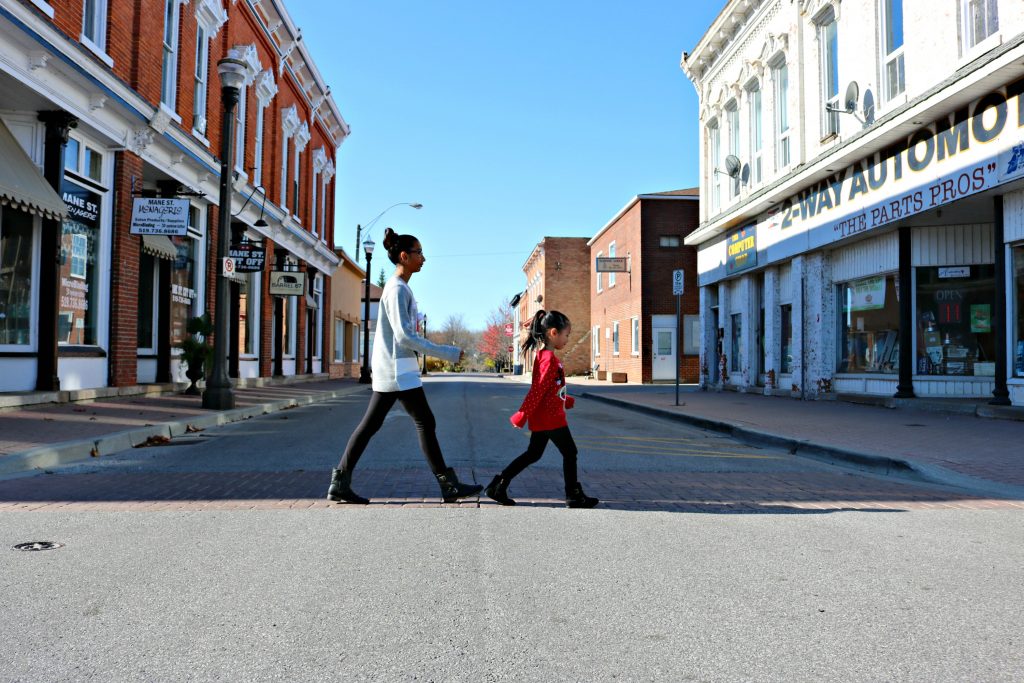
{"points": [[415, 251]]}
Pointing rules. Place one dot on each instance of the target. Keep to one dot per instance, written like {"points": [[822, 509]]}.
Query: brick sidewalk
{"points": [[945, 444], [41, 425]]}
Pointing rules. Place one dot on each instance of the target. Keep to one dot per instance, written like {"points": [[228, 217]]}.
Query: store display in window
{"points": [[954, 311]]}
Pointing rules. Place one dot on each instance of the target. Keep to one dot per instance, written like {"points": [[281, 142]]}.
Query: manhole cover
{"points": [[38, 545]]}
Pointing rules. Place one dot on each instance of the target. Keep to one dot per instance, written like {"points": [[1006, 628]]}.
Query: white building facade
{"points": [[863, 164]]}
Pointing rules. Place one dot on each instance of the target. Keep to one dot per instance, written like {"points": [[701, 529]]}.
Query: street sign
{"points": [[158, 216], [611, 264], [511, 349], [249, 257], [677, 282], [227, 266], [508, 330]]}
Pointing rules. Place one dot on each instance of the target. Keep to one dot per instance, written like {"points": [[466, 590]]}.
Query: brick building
{"points": [[634, 329], [105, 102], [556, 275]]}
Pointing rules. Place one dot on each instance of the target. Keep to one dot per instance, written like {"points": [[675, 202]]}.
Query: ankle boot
{"points": [[341, 489], [452, 490], [497, 490], [575, 498]]}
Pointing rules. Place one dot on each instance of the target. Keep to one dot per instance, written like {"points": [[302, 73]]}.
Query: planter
{"points": [[618, 378], [602, 375]]}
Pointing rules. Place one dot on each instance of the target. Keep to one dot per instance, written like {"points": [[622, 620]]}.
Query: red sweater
{"points": [[544, 406]]}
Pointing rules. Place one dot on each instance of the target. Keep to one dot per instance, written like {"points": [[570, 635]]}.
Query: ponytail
{"points": [[537, 328]]}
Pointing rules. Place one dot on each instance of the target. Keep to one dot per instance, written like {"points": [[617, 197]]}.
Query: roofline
{"points": [[634, 200]]}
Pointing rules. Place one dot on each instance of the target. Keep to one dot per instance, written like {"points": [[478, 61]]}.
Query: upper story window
{"points": [[733, 117], [780, 80], [600, 286], [94, 23], [978, 19], [169, 84], [714, 164], [756, 137], [828, 41], [199, 87], [611, 254], [668, 241], [894, 78], [266, 89]]}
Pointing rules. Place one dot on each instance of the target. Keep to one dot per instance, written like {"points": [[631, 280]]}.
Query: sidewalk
{"points": [[41, 436], [945, 447]]}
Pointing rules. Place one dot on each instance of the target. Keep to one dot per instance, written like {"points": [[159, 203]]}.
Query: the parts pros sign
{"points": [[157, 216]]}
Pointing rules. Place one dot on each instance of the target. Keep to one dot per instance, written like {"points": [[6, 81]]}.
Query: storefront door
{"points": [[663, 361]]}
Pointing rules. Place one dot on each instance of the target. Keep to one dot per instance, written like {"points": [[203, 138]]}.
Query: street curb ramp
{"points": [[882, 464], [34, 460]]}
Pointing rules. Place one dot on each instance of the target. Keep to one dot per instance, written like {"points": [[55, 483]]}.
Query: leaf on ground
{"points": [[95, 452], [155, 440], [192, 429]]}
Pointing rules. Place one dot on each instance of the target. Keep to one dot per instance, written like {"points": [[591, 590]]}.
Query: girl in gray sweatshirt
{"points": [[395, 377]]}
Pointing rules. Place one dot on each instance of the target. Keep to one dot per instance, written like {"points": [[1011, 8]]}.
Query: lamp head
{"points": [[260, 223], [233, 71], [368, 246], [416, 206]]}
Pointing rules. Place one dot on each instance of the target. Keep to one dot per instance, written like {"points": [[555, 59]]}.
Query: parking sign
{"points": [[677, 282]]}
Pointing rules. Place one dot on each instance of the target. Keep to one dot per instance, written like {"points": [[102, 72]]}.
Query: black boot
{"points": [[452, 490], [497, 490], [575, 498], [341, 489]]}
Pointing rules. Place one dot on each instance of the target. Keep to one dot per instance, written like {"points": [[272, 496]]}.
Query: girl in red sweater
{"points": [[544, 409]]}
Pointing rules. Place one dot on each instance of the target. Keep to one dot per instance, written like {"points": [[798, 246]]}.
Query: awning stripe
{"points": [[159, 246], [22, 185]]}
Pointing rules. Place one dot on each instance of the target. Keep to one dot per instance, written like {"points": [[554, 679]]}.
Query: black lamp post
{"points": [[424, 336], [218, 394], [364, 372]]}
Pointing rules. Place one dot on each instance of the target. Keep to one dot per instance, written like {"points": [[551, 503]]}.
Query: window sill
{"points": [[975, 51], [96, 50], [173, 115], [201, 138], [44, 7], [831, 137]]}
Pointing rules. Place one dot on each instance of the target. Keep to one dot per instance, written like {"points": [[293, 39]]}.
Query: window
{"points": [[257, 162], [600, 287], [1018, 307], [733, 117], [786, 339], [199, 88], [295, 182], [780, 80], [249, 315], [339, 343], [634, 336], [756, 139], [828, 39], [290, 318], [240, 115], [715, 163], [169, 84], [691, 335], [611, 254], [668, 241], [955, 305], [615, 338], [893, 75], [148, 305], [979, 19], [284, 169], [869, 326], [16, 277], [737, 331], [72, 156], [79, 265], [597, 340], [94, 23]]}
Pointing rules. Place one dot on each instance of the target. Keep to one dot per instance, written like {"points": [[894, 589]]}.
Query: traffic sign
{"points": [[227, 266], [677, 282], [508, 329], [511, 349]]}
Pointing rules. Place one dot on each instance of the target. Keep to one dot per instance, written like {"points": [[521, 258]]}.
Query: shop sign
{"points": [[867, 295], [159, 216], [973, 149], [957, 271], [741, 250], [249, 257], [180, 294], [287, 283], [611, 264]]}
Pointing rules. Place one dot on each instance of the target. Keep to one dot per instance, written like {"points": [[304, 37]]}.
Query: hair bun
{"points": [[389, 238]]}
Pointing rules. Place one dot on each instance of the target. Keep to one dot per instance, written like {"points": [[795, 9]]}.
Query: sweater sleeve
{"points": [[544, 379], [397, 309]]}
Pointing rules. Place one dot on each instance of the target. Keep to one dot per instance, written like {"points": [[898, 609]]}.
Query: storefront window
{"points": [[954, 320], [869, 325], [15, 277], [248, 314], [147, 304], [786, 337], [288, 310], [1018, 324], [79, 266], [183, 287], [737, 329]]}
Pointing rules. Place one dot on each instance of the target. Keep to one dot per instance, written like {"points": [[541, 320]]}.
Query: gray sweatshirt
{"points": [[396, 342]]}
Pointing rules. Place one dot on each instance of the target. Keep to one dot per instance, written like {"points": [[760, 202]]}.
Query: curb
{"points": [[34, 460], [882, 464]]}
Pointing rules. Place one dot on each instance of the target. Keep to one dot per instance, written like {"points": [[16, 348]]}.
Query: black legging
{"points": [[415, 403], [562, 439]]}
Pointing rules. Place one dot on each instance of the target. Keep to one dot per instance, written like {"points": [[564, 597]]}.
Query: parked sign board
{"points": [[287, 283], [159, 216]]}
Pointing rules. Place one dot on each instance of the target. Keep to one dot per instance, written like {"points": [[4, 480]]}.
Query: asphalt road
{"points": [[710, 561]]}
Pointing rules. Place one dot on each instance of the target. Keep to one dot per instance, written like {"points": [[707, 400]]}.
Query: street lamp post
{"points": [[364, 371], [218, 394]]}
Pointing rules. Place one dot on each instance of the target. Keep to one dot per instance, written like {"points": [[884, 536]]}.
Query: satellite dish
{"points": [[732, 165], [540, 297], [869, 107], [745, 174], [852, 95]]}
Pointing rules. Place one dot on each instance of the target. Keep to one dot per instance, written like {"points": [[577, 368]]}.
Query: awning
{"points": [[311, 302], [160, 246], [21, 183]]}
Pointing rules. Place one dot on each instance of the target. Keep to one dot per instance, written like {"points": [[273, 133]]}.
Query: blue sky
{"points": [[507, 121]]}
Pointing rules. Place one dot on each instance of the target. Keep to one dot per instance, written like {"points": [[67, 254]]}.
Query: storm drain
{"points": [[37, 545]]}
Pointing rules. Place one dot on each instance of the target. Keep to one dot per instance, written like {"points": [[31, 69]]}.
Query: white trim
{"points": [[634, 336], [97, 50], [615, 338], [44, 7]]}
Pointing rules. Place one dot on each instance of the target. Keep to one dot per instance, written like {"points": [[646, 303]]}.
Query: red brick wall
{"points": [[124, 276], [566, 267], [620, 302]]}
